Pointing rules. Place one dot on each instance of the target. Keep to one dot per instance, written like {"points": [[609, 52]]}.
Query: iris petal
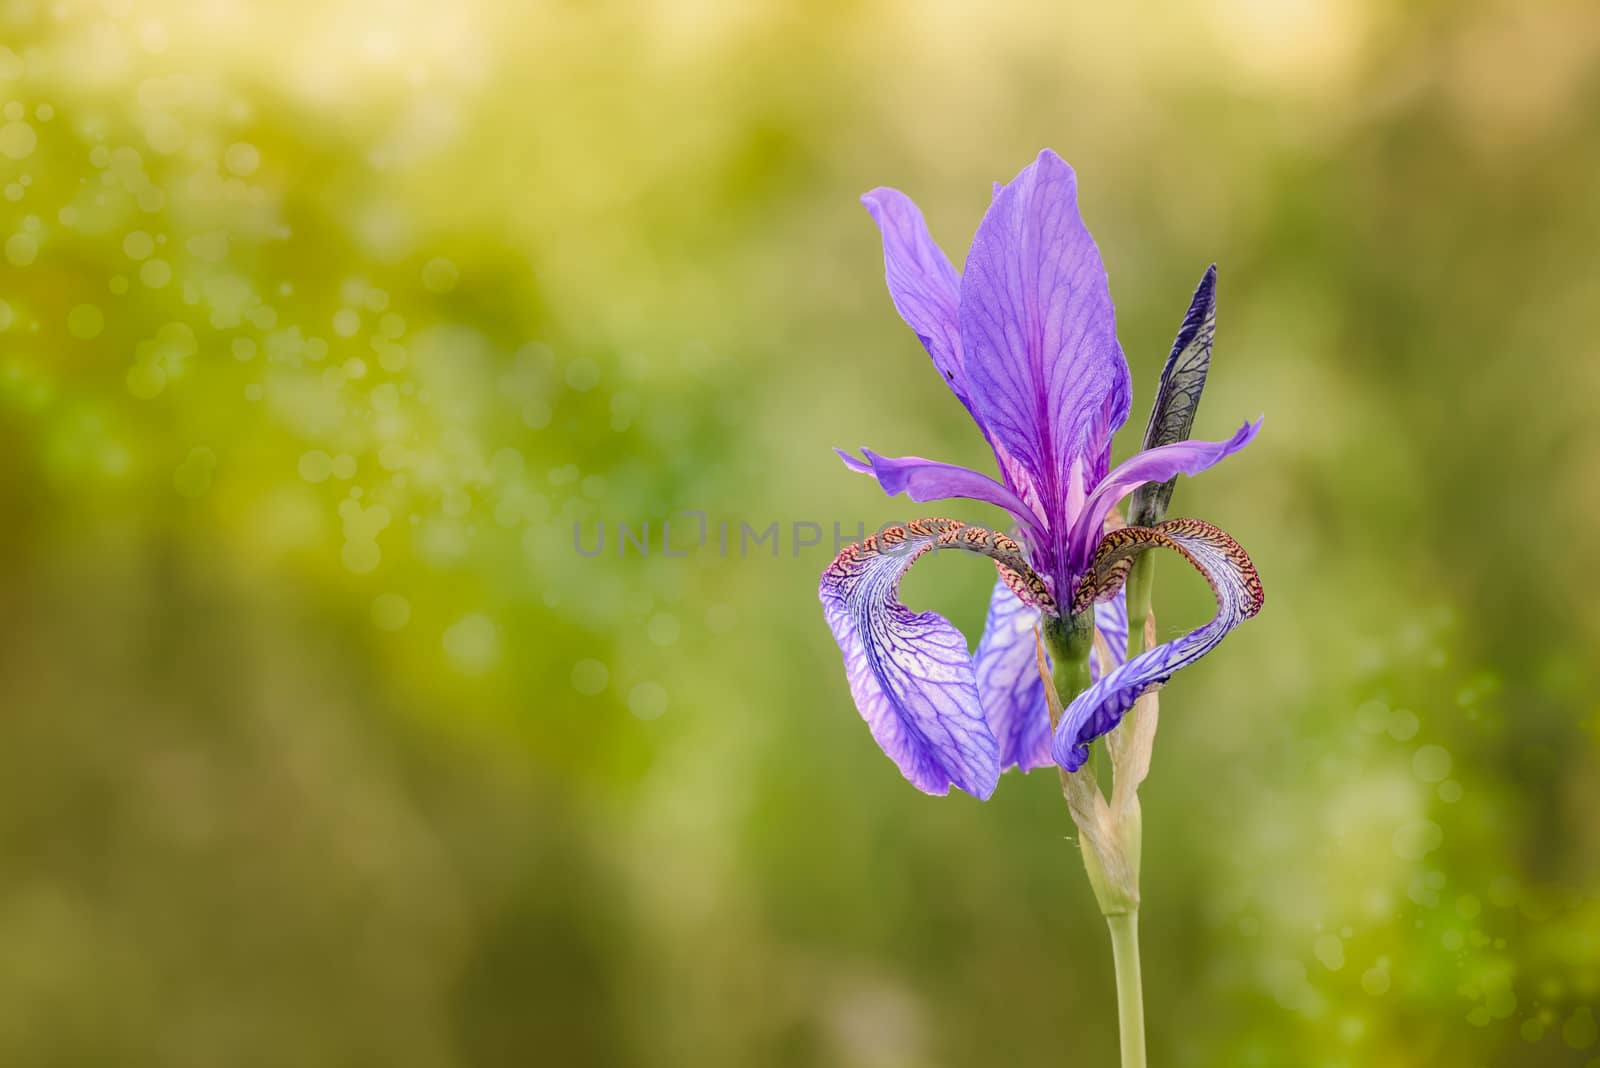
{"points": [[1152, 465], [929, 480], [1233, 579], [924, 286], [1008, 682], [1009, 686], [1111, 620], [1038, 332], [909, 672]]}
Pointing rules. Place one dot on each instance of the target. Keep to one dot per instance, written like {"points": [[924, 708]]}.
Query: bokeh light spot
{"points": [[583, 374], [590, 677], [1431, 763], [145, 379], [315, 466], [390, 611], [663, 629], [361, 556], [242, 158], [440, 275], [85, 321], [155, 274], [536, 415], [1499, 1000], [473, 643], [21, 249], [625, 408], [1413, 841], [1403, 724], [1330, 951], [138, 245], [647, 700], [17, 140], [210, 247], [1580, 1031]]}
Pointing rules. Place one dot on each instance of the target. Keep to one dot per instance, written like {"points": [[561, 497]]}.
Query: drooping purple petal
{"points": [[1153, 465], [1008, 682], [929, 480], [1183, 378], [1111, 620], [1038, 332], [1009, 686], [924, 286], [910, 672], [1233, 579]]}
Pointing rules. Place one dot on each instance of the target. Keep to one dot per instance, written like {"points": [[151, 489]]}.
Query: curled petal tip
{"points": [[1237, 588], [860, 467], [1051, 158], [910, 672], [873, 199]]}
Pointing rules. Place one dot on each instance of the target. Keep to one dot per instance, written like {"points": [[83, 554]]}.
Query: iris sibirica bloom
{"points": [[1025, 336]]}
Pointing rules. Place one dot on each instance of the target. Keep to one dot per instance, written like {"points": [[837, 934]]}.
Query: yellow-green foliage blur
{"points": [[323, 323]]}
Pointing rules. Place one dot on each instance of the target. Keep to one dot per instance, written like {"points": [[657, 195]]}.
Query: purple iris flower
{"points": [[1025, 336]]}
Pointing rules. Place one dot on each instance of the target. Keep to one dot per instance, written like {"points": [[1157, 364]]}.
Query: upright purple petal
{"points": [[1152, 465], [1038, 331], [924, 286], [910, 672], [1233, 579], [1019, 481], [1007, 671]]}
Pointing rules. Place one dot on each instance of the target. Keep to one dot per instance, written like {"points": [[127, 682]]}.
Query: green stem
{"points": [[1130, 991], [1140, 579], [1069, 640], [1125, 926]]}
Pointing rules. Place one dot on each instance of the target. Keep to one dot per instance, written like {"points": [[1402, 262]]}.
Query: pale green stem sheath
{"points": [[1130, 992]]}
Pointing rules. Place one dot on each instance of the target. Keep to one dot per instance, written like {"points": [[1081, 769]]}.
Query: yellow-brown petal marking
{"points": [[1009, 558], [1118, 547]]}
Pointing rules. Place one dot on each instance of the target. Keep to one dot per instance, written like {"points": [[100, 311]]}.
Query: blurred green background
{"points": [[322, 324]]}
